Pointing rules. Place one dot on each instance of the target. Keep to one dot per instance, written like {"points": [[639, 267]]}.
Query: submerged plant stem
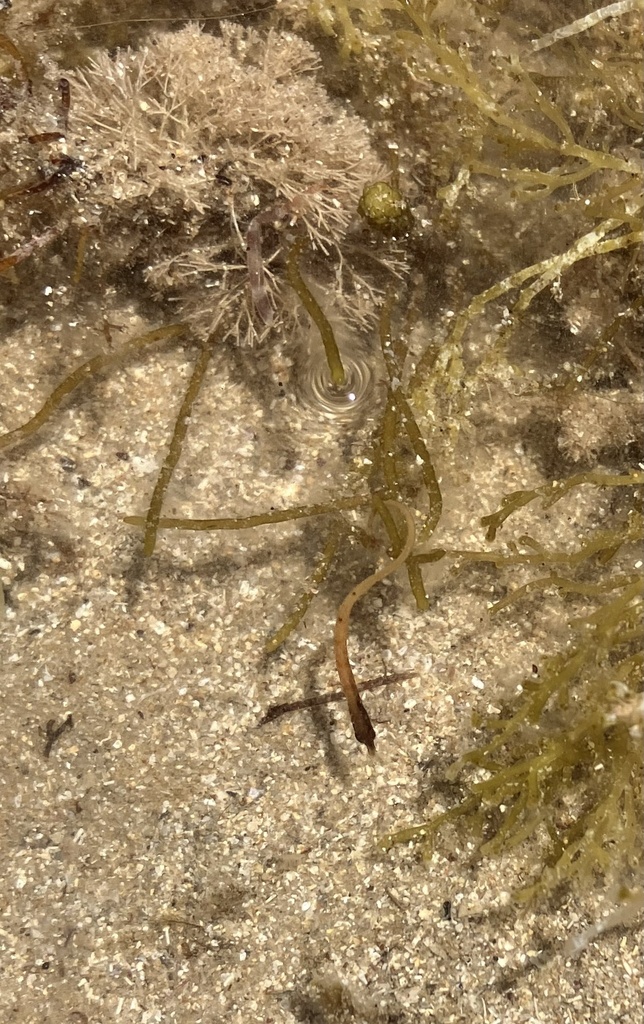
{"points": [[413, 568], [593, 243], [397, 399], [362, 726], [553, 492], [318, 576], [174, 451], [284, 515], [313, 308], [92, 368]]}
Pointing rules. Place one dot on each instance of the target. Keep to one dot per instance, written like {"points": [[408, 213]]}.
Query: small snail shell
{"points": [[385, 208]]}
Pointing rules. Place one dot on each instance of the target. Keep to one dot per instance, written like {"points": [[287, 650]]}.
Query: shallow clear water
{"points": [[170, 859]]}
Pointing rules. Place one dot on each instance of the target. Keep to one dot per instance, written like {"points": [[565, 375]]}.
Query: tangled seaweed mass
{"points": [[217, 162], [220, 149]]}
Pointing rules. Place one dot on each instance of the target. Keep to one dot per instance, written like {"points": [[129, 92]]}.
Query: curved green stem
{"points": [[92, 368], [312, 307], [174, 451]]}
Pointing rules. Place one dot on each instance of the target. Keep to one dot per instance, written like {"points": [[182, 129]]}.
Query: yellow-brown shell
{"points": [[385, 208]]}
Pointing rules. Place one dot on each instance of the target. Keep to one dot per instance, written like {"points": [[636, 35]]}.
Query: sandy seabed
{"points": [[166, 859]]}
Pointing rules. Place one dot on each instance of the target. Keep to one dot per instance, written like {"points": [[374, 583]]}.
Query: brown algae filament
{"points": [[401, 406], [320, 573], [312, 307], [285, 515], [174, 451], [362, 726], [86, 371]]}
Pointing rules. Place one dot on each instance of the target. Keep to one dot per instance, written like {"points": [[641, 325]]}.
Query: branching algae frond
{"points": [[202, 156], [564, 766], [520, 132]]}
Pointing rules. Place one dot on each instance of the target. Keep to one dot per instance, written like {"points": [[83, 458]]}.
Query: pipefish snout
{"points": [[362, 726]]}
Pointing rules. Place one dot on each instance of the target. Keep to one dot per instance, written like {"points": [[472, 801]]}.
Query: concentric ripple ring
{"points": [[318, 394]]}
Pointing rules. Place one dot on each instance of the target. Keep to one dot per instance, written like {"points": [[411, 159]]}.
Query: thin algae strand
{"points": [[313, 308], [408, 420], [540, 276], [603, 545], [174, 451], [554, 491], [564, 585], [88, 371], [318, 576], [413, 569], [385, 447], [262, 519]]}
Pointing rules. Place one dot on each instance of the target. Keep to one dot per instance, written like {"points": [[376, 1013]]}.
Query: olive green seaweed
{"points": [[337, 533], [554, 491], [574, 731], [564, 585], [313, 308], [439, 62], [262, 519], [399, 414], [603, 545], [91, 370], [540, 275], [174, 450], [413, 572], [409, 423], [503, 104]]}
